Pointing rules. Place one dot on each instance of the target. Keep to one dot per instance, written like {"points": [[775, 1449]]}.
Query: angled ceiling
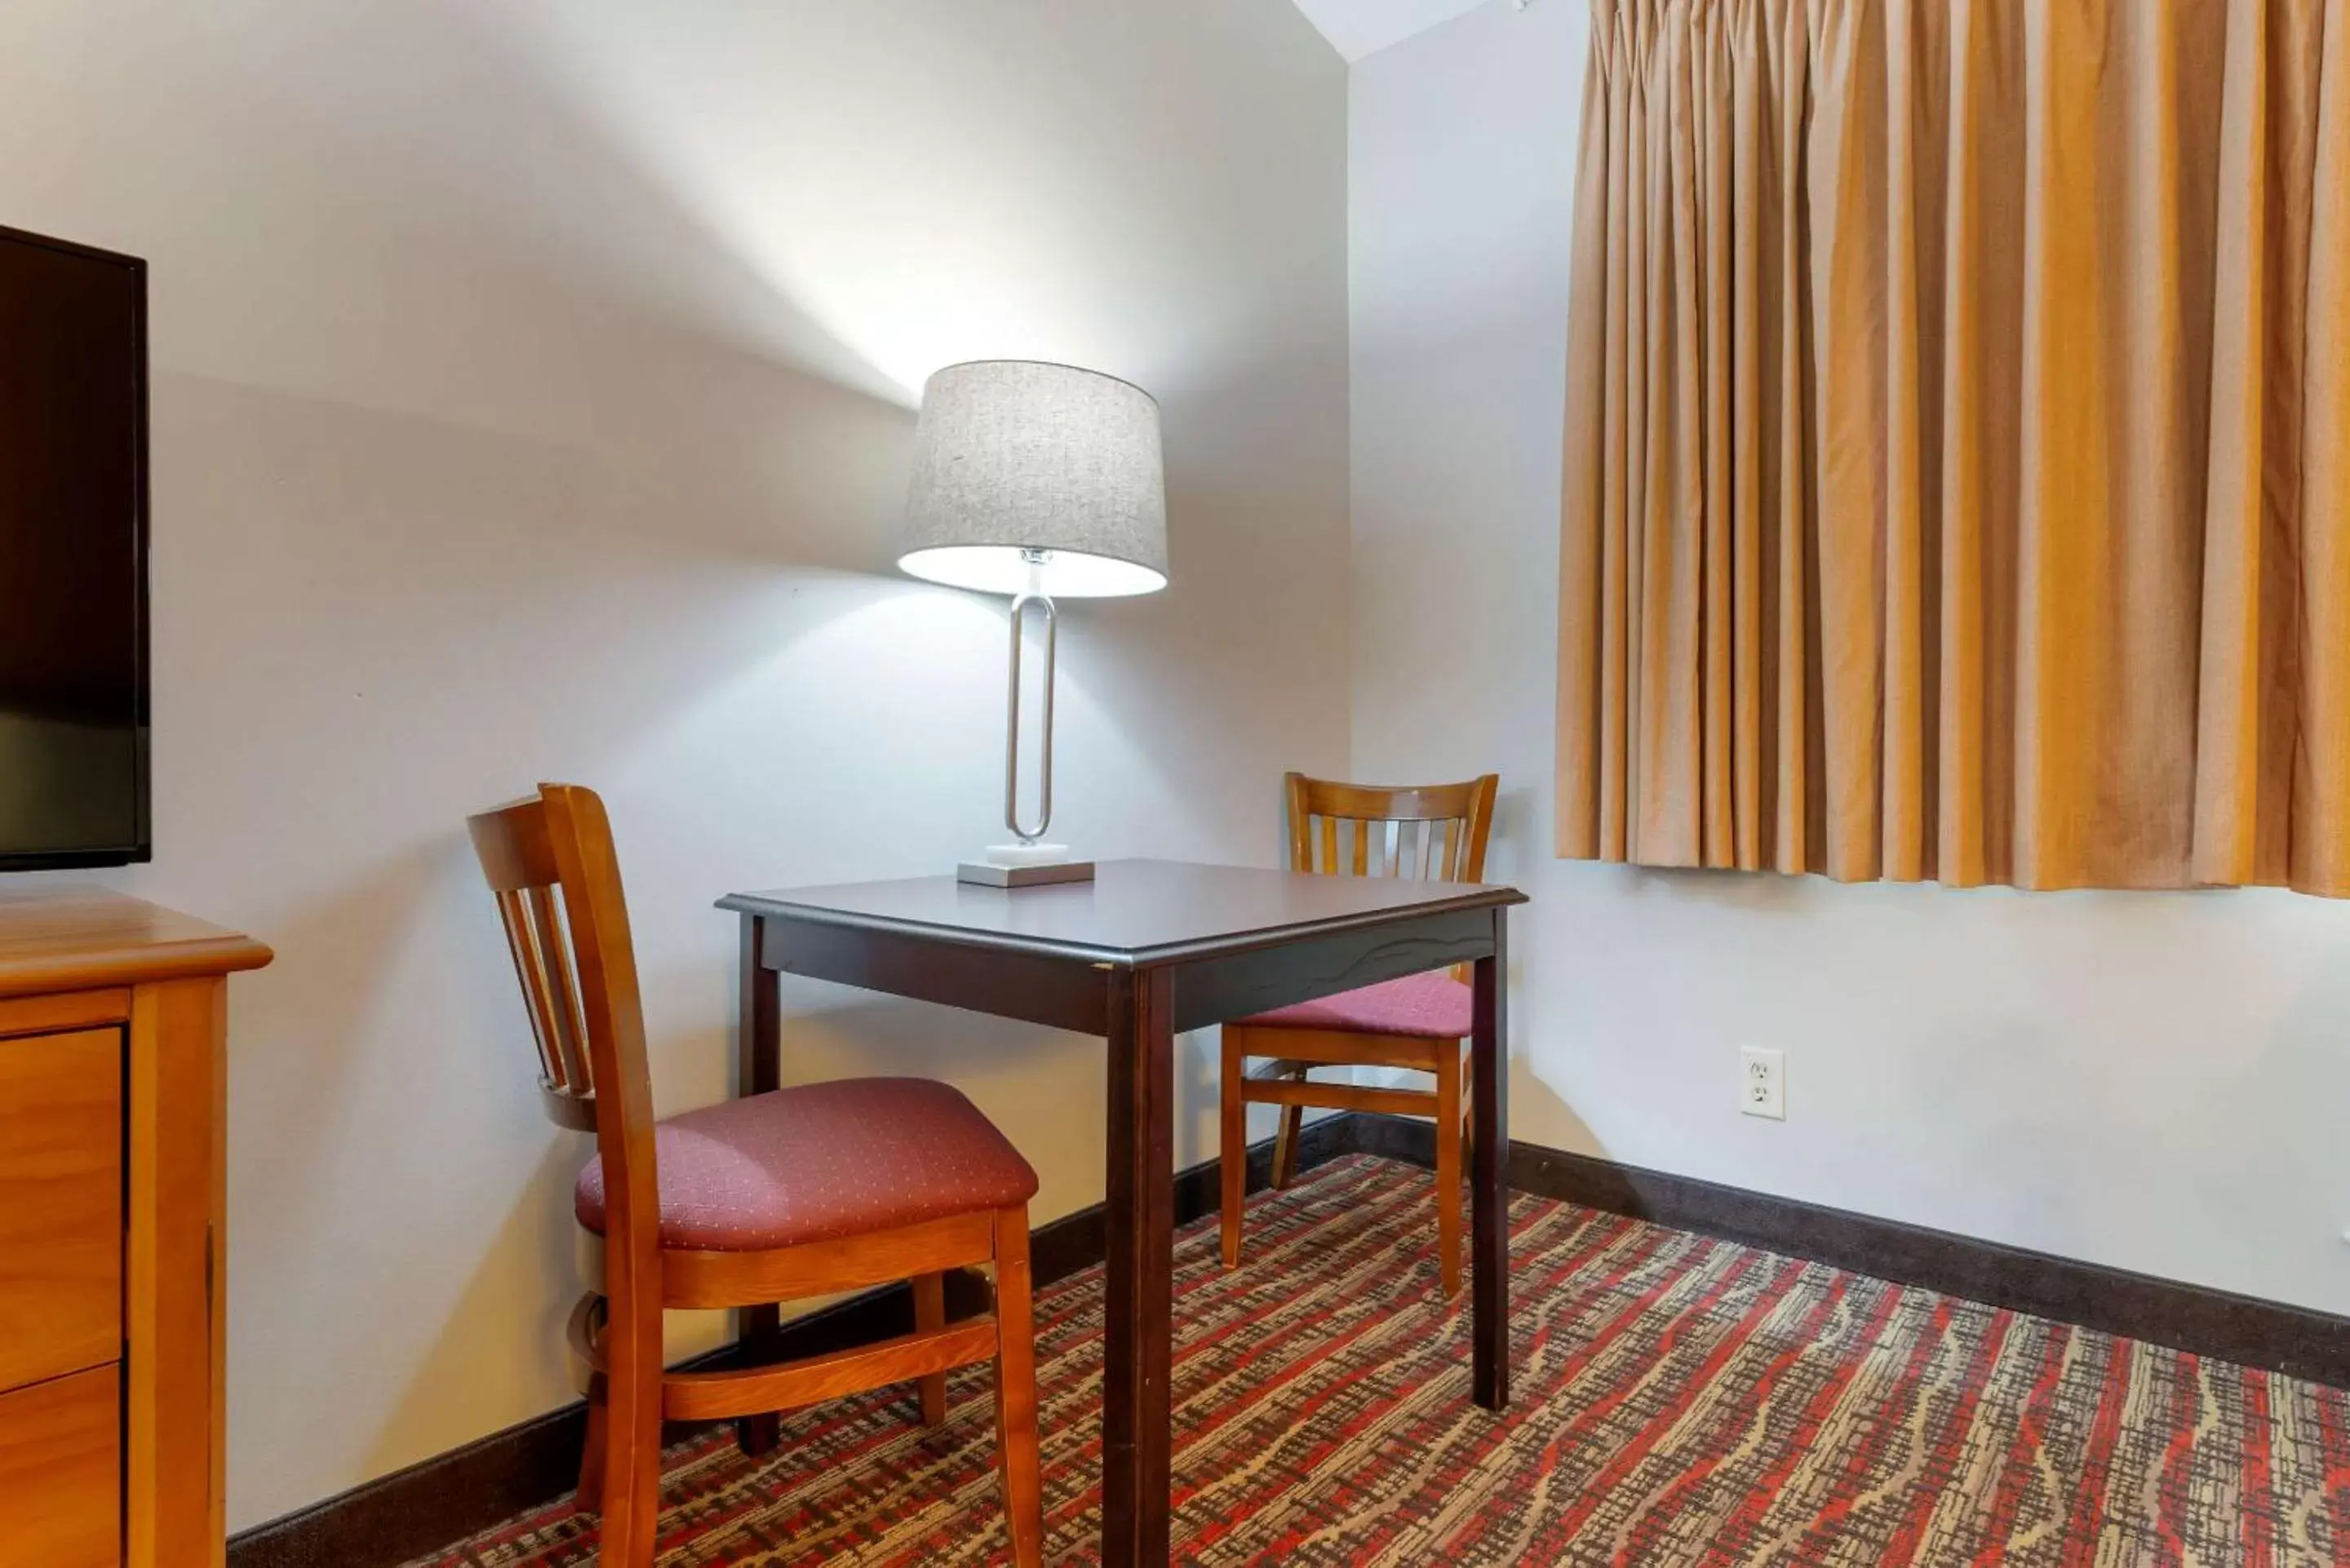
{"points": [[1359, 27]]}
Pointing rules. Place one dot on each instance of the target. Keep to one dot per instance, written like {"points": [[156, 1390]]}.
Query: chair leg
{"points": [[591, 1497], [1016, 1390], [1448, 1170], [758, 1435], [631, 1440], [929, 1313], [1284, 1145], [1468, 1113], [1232, 1150]]}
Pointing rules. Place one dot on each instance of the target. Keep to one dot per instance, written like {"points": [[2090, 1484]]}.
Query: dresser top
{"points": [[77, 938]]}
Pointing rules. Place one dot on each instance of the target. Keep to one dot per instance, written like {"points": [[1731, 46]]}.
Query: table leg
{"points": [[758, 1067], [1139, 1280], [1489, 1209]]}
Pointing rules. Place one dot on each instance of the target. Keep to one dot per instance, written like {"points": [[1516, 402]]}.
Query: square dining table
{"points": [[1149, 949]]}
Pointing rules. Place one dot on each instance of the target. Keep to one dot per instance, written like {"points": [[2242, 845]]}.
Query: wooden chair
{"points": [[801, 1192], [1420, 1022]]}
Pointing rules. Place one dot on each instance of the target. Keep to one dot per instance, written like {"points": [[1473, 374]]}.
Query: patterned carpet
{"points": [[1680, 1400]]}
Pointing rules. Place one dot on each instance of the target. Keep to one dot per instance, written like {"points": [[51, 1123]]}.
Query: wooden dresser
{"points": [[113, 1020]]}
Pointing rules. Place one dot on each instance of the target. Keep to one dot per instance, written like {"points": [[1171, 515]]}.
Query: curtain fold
{"points": [[1958, 443]]}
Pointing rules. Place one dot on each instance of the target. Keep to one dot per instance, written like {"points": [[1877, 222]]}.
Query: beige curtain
{"points": [[1957, 442]]}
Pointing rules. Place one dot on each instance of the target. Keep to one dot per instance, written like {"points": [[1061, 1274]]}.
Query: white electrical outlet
{"points": [[1763, 1081]]}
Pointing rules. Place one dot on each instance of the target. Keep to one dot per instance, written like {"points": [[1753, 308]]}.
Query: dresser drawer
{"points": [[60, 1204], [61, 1472]]}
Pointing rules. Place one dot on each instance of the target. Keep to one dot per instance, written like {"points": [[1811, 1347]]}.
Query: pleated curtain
{"points": [[1957, 442]]}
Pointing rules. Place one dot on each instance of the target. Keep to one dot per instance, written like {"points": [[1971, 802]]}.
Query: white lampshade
{"points": [[1015, 460]]}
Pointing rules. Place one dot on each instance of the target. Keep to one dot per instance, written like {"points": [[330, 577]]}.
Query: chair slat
{"points": [[546, 980], [1329, 846], [1300, 828], [1477, 828], [1452, 850], [1427, 842], [571, 1027], [523, 944], [1362, 834]]}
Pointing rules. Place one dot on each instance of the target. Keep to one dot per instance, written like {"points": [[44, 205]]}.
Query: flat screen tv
{"points": [[73, 555]]}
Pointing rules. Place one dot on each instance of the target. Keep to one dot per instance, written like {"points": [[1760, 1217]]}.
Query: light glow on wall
{"points": [[813, 149]]}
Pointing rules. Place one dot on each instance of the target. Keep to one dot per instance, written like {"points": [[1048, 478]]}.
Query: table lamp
{"points": [[1034, 480]]}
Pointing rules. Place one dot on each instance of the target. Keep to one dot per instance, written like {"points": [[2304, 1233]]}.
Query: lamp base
{"points": [[1025, 866]]}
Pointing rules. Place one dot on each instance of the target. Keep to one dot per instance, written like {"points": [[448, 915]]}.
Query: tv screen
{"points": [[73, 554]]}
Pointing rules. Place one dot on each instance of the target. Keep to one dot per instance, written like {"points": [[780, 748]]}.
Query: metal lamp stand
{"points": [[1031, 862]]}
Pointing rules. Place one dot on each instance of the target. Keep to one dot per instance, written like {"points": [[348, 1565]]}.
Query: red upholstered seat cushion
{"points": [[820, 1162], [1432, 1003]]}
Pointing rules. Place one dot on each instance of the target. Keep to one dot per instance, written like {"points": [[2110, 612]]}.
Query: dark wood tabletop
{"points": [[1133, 912], [1145, 951]]}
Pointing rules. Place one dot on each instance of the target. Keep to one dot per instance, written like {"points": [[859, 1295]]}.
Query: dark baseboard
{"points": [[397, 1518], [2297, 1341], [451, 1496], [408, 1513]]}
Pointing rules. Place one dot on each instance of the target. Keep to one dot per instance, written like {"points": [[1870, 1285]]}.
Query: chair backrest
{"points": [[1434, 832], [550, 863]]}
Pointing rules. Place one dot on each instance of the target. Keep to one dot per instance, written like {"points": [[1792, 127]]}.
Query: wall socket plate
{"points": [[1763, 1081]]}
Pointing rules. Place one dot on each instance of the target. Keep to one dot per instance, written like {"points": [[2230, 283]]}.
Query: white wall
{"points": [[533, 387], [2152, 1081]]}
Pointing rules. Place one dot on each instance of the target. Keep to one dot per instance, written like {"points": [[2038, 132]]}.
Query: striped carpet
{"points": [[1680, 1400]]}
